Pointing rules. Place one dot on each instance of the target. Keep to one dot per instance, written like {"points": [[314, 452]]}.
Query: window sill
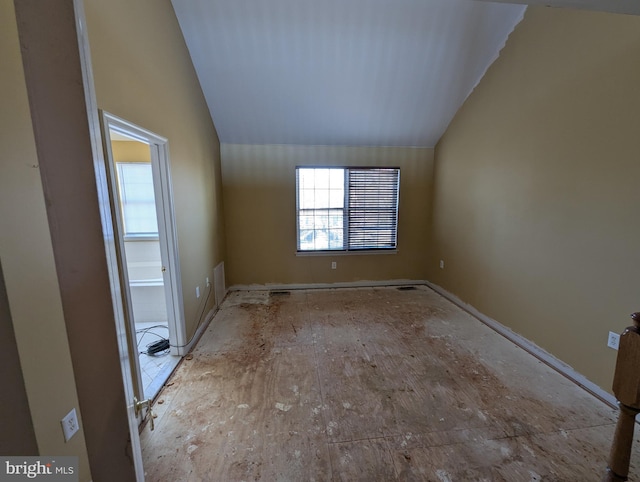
{"points": [[141, 237], [340, 252]]}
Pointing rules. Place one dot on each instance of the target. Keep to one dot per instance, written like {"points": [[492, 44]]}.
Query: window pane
{"points": [[321, 240], [320, 194], [321, 198], [321, 178], [337, 179], [306, 178], [336, 198], [336, 239], [336, 220], [305, 221], [306, 237], [140, 218], [307, 199], [135, 182], [321, 219]]}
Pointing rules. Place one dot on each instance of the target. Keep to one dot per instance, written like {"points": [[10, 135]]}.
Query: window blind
{"points": [[373, 208]]}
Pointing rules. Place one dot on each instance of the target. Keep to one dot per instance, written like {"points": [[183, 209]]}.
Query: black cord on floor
{"points": [[157, 348], [162, 346]]}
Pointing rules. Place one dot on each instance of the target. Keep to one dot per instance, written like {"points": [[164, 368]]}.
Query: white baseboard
{"points": [[311, 286], [530, 347]]}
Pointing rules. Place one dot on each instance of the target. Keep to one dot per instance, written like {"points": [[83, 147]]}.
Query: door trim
{"points": [[161, 169]]}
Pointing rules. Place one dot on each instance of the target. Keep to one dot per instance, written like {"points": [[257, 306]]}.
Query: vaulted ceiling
{"points": [[341, 72]]}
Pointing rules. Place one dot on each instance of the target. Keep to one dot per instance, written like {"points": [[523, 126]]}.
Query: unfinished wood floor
{"points": [[373, 385]]}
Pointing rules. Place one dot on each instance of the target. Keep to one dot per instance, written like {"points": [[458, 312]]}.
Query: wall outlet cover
{"points": [[70, 425], [613, 341]]}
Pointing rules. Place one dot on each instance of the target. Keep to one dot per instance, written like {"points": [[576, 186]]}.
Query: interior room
{"points": [[507, 133], [136, 207]]}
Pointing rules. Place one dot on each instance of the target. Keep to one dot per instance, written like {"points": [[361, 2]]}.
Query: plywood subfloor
{"points": [[373, 384]]}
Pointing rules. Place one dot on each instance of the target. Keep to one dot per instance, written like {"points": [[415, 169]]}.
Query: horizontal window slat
{"points": [[373, 208]]}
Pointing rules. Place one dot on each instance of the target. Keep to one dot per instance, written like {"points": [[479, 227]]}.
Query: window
{"points": [[347, 209], [135, 183]]}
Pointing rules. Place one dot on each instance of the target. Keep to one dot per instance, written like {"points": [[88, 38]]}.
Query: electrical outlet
{"points": [[442, 264], [334, 265], [70, 425], [613, 341], [206, 281], [197, 291]]}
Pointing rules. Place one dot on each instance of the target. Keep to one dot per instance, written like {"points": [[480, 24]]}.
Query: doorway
{"points": [[142, 210]]}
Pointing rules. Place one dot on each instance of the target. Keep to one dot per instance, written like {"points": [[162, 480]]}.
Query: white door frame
{"points": [[167, 235], [107, 231]]}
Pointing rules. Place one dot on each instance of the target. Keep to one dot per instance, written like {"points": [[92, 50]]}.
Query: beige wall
{"points": [[43, 290], [29, 268], [18, 436], [536, 199], [130, 151], [260, 212], [143, 73]]}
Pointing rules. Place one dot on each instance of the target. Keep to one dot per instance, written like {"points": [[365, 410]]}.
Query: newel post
{"points": [[626, 388]]}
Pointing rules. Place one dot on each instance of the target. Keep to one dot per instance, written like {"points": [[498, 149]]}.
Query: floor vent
{"points": [[406, 288], [279, 293]]}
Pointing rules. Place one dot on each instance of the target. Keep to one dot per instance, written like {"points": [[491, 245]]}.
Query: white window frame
{"points": [[354, 240]]}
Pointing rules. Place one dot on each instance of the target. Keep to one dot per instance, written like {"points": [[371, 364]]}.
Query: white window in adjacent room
{"points": [[135, 182], [347, 209]]}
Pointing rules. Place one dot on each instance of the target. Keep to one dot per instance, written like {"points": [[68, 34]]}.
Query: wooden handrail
{"points": [[626, 388]]}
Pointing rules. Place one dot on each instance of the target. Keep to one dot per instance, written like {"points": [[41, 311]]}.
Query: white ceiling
{"points": [[340, 72], [347, 72]]}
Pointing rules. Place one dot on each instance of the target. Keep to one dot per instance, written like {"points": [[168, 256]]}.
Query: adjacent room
{"points": [[379, 240]]}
